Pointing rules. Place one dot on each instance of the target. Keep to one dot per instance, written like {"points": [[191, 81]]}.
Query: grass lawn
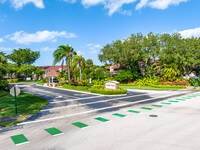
{"points": [[197, 89], [2, 93], [37, 82], [147, 87], [27, 104], [77, 88]]}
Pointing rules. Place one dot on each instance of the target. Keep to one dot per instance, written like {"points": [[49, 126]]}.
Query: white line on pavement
{"points": [[102, 101], [94, 110]]}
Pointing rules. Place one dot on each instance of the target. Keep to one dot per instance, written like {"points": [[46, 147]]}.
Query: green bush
{"points": [[124, 76], [191, 82], [12, 80], [98, 86], [167, 86], [108, 92], [80, 88], [3, 84], [44, 80], [98, 82], [127, 84], [147, 81]]}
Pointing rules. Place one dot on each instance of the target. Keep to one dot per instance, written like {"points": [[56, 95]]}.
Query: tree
{"points": [[3, 64], [64, 53], [24, 56], [79, 60], [90, 62]]}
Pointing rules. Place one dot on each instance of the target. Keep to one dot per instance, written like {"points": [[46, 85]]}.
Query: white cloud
{"points": [[6, 48], [22, 37], [1, 40], [80, 53], [112, 5], [158, 4], [46, 49], [20, 3], [190, 33], [94, 48]]}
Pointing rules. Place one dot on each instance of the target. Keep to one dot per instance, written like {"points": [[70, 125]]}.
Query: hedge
{"points": [[168, 86], [80, 88], [127, 84], [108, 92]]}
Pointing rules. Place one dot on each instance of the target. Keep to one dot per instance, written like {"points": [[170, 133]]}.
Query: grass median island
{"points": [[153, 87], [37, 82], [108, 92], [26, 104], [78, 88]]}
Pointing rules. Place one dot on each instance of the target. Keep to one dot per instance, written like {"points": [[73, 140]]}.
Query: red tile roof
{"points": [[116, 66], [52, 73], [49, 68]]}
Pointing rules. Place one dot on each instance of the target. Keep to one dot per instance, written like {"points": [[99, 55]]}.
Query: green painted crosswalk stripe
{"points": [[186, 97], [146, 108], [191, 96], [80, 124], [174, 101], [134, 111], [157, 105], [181, 99], [119, 115], [166, 103], [53, 131], [19, 139], [101, 119]]}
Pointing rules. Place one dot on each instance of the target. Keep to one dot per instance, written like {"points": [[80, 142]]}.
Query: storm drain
{"points": [[153, 115]]}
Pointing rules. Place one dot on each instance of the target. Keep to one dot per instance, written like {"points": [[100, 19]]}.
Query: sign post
{"points": [[194, 81], [14, 91]]}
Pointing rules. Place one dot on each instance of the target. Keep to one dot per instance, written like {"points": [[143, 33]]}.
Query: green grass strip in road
{"points": [[101, 119], [134, 111], [80, 124], [53, 131], [186, 97], [180, 99], [146, 108], [166, 103], [119, 115], [173, 101], [157, 105], [19, 139]]}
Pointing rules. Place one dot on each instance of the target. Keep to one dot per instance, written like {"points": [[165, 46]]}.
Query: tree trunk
{"points": [[68, 73], [80, 75]]}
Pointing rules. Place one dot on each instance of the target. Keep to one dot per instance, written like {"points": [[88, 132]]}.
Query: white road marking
{"points": [[94, 110], [102, 101]]}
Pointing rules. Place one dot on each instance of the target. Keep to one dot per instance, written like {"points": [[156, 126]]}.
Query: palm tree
{"points": [[64, 53], [79, 60], [3, 57]]}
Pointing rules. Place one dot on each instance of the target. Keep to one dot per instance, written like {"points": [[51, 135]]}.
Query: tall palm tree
{"points": [[64, 53], [79, 60]]}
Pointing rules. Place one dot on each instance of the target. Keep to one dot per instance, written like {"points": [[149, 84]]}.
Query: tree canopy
{"points": [[24, 56]]}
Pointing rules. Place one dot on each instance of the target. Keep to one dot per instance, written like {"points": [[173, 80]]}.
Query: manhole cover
{"points": [[153, 115]]}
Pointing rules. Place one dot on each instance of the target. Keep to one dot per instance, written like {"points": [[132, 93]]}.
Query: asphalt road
{"points": [[135, 131]]}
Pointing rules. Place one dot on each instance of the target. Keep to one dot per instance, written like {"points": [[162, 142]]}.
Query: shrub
{"points": [[98, 82], [191, 82], [80, 88], [98, 86], [3, 84], [83, 83], [181, 83], [124, 76], [167, 86], [147, 81], [73, 82], [12, 80], [108, 92], [44, 80]]}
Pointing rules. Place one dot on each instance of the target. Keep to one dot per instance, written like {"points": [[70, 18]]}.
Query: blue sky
{"points": [[88, 25]]}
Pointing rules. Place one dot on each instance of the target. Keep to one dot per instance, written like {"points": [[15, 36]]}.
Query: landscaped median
{"points": [[152, 87], [26, 104], [98, 89]]}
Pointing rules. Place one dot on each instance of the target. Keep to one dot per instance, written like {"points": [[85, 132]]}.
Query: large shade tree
{"points": [[64, 53]]}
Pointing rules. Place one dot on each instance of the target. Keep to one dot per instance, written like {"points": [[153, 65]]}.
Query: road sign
{"points": [[196, 77], [12, 91]]}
